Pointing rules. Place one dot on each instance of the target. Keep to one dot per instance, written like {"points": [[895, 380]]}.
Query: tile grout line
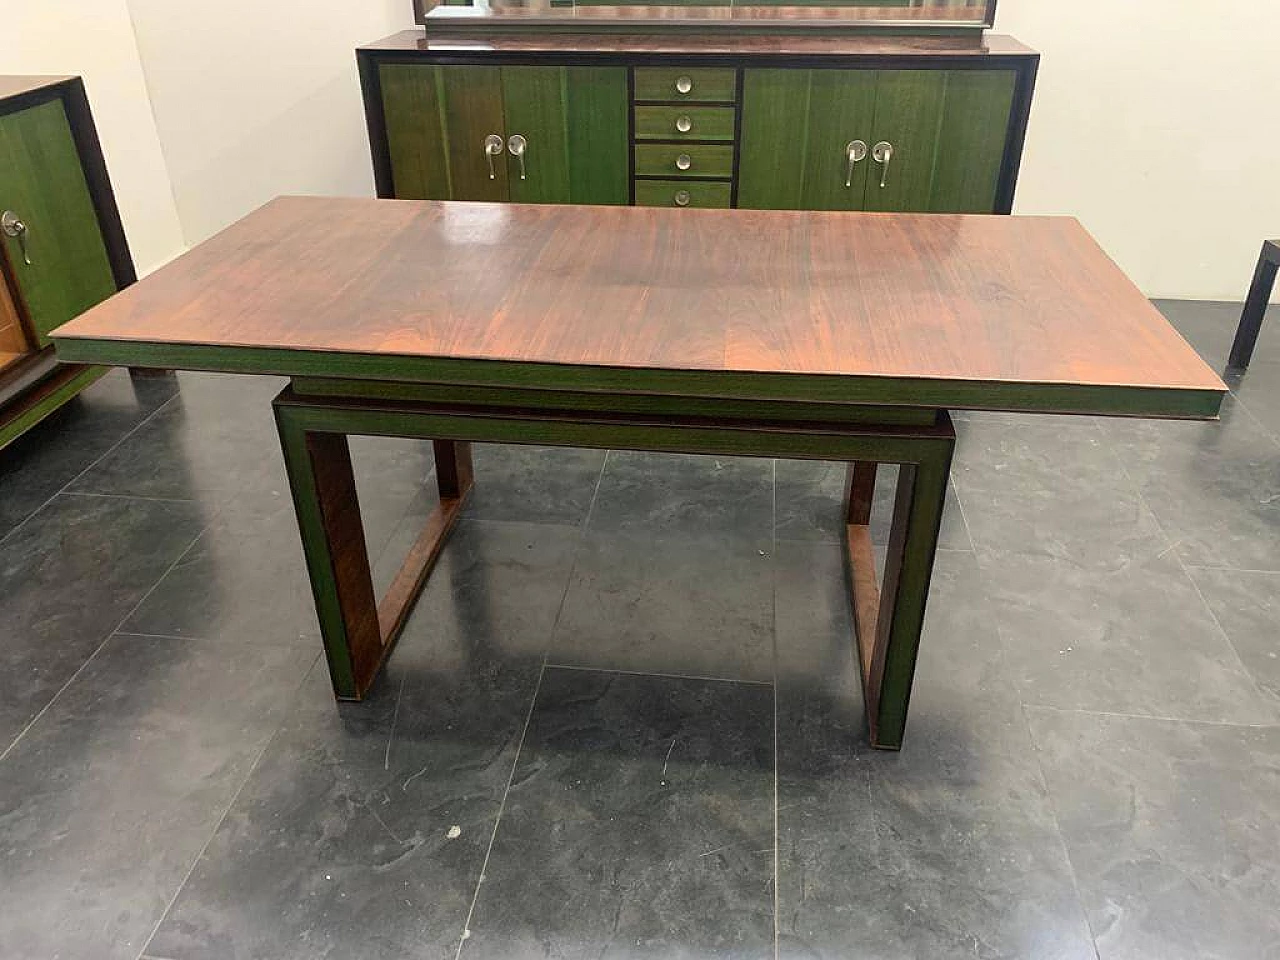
{"points": [[528, 718], [502, 806], [1057, 829], [1177, 556], [1035, 749], [1152, 717], [1252, 416], [195, 861], [773, 550], [573, 567], [126, 496], [964, 519], [1203, 566], [110, 450], [584, 668], [105, 640]]}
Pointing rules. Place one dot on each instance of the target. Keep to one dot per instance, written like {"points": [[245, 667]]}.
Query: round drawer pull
{"points": [[684, 162], [684, 84], [682, 198], [684, 123]]}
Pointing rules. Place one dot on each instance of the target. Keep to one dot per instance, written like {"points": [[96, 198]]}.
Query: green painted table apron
{"points": [[316, 417], [799, 335]]}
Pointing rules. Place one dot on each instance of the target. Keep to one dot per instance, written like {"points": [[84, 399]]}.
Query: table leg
{"points": [[358, 632], [889, 617], [1255, 307]]}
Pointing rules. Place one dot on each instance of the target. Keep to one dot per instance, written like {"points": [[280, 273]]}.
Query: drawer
{"points": [[682, 83], [680, 122], [684, 160], [682, 193]]}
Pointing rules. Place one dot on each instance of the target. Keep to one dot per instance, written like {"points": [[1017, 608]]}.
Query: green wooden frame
{"points": [[359, 632]]}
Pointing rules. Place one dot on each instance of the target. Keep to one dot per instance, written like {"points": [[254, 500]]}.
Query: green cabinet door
{"points": [[572, 120], [797, 126], [946, 133], [437, 121], [949, 130], [908, 108], [42, 181], [972, 140]]}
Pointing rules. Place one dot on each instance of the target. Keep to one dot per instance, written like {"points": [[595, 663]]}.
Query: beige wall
{"points": [[1155, 124], [95, 39], [1154, 120], [253, 99]]}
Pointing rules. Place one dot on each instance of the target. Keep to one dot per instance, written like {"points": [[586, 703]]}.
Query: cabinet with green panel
{"points": [[905, 140], [62, 247], [530, 134], [822, 121]]}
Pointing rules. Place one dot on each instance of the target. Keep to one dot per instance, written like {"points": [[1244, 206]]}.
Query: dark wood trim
{"points": [[85, 132], [591, 58], [51, 392], [26, 373], [376, 123], [860, 493], [737, 136], [631, 135], [1016, 137]]}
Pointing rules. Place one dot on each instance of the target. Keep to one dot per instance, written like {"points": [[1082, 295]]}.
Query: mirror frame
{"points": [[421, 8]]}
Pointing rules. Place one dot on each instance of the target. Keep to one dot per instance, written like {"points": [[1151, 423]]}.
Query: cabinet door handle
{"points": [[684, 123], [518, 145], [684, 85], [882, 153], [13, 226], [856, 151], [492, 148], [684, 162], [682, 198]]}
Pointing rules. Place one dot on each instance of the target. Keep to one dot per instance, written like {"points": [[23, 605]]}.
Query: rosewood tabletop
{"points": [[943, 311], [828, 336]]}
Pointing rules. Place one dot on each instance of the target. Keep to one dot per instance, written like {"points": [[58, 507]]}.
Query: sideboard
{"points": [[62, 246], [757, 120]]}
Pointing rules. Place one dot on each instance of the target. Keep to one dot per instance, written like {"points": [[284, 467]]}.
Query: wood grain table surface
{"points": [[1014, 313]]}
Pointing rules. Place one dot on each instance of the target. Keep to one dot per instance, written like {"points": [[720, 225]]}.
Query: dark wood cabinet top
{"points": [[676, 44], [11, 86], [1014, 313]]}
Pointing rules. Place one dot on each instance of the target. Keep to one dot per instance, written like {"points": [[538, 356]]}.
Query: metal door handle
{"points": [[12, 226], [517, 145], [882, 153], [684, 162], [684, 123], [682, 198], [856, 151], [492, 148], [684, 84]]}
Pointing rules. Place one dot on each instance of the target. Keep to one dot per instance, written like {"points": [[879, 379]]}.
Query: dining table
{"points": [[833, 336]]}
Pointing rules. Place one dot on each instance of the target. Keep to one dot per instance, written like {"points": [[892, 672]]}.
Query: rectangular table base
{"points": [[359, 632]]}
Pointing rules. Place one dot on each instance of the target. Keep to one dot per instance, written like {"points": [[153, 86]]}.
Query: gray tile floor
{"points": [[625, 720]]}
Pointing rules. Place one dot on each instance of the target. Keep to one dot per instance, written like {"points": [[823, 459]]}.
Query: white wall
{"points": [[1154, 120], [96, 41], [255, 98], [1155, 124]]}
